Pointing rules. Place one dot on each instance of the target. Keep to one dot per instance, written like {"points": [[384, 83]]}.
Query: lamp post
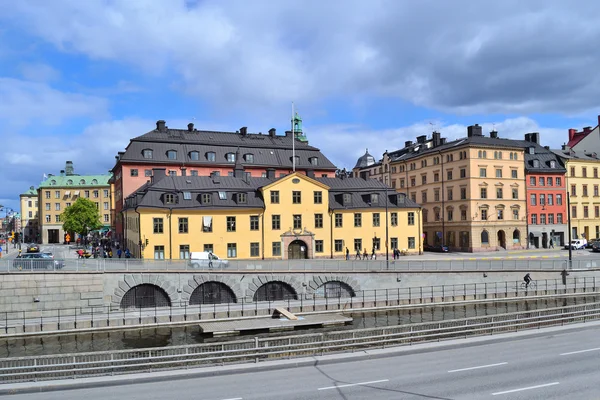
{"points": [[387, 257], [569, 228]]}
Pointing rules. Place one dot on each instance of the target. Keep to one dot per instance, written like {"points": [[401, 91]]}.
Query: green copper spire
{"points": [[297, 124]]}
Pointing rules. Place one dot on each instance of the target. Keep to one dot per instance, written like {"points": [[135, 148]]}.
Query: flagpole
{"points": [[293, 142]]}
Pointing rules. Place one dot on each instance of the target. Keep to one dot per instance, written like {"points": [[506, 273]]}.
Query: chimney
{"points": [[494, 134], [436, 136], [547, 147], [244, 130], [272, 132], [442, 141], [311, 173], [69, 170], [158, 174], [572, 133], [190, 127], [474, 130], [421, 139], [528, 137], [238, 168], [161, 125], [408, 143], [587, 129], [62, 172], [535, 137]]}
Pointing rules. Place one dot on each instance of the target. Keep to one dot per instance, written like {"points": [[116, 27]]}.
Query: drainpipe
{"points": [[419, 210], [262, 217], [331, 232], [443, 201], [139, 231], [170, 234]]}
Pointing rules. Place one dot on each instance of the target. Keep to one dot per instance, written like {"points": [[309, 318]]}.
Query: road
{"points": [[557, 366]]}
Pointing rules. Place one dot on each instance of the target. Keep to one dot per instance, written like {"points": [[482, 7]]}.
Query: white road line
{"points": [[353, 384], [527, 388], [580, 351], [235, 398], [479, 367]]}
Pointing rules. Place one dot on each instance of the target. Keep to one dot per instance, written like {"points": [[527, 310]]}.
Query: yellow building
{"points": [[29, 215], [584, 194], [472, 190], [58, 192], [296, 216]]}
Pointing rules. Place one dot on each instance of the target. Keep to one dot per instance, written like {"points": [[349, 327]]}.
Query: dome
{"points": [[365, 160]]}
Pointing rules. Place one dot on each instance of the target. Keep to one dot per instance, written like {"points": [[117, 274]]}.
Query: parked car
{"points": [[437, 248], [33, 248], [596, 247], [577, 244], [31, 261], [199, 259], [591, 242]]}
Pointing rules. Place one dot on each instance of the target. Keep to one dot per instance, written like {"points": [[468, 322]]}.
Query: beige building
{"points": [[29, 215], [472, 190], [58, 192]]}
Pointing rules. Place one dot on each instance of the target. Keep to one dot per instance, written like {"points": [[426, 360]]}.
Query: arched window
{"points": [[484, 154], [82, 182], [147, 153], [274, 291], [70, 182], [211, 156], [334, 289], [145, 296], [536, 163], [194, 155], [53, 182], [171, 154], [230, 157], [94, 181], [500, 155], [516, 236], [315, 161], [480, 154], [485, 238], [212, 293]]}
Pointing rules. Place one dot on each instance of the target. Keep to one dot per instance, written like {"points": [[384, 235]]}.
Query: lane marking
{"points": [[580, 351], [478, 367], [527, 388], [234, 398], [353, 384]]}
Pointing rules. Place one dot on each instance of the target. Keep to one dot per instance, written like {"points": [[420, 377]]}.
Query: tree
{"points": [[81, 217]]}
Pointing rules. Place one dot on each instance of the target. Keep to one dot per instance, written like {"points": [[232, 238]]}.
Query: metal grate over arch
{"points": [[275, 291], [145, 296], [334, 289], [212, 293]]}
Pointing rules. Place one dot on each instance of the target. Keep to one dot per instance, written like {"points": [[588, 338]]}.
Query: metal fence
{"points": [[256, 350], [311, 265], [81, 318]]}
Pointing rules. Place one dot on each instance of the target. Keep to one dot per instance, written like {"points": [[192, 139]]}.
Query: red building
{"points": [[546, 195], [192, 152]]}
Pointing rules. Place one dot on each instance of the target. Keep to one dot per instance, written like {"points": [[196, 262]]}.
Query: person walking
{"points": [[358, 256], [119, 252], [551, 244], [347, 254], [127, 253], [365, 254], [373, 256]]}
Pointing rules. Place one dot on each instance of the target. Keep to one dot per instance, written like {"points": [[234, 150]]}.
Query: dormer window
{"points": [[242, 198], [187, 195], [295, 159], [230, 157], [249, 158], [169, 198], [223, 195], [82, 182], [374, 198], [147, 153], [172, 155], [531, 150], [536, 163], [94, 181], [315, 161], [552, 164], [53, 182], [70, 182], [194, 156], [206, 198], [211, 156], [347, 199]]}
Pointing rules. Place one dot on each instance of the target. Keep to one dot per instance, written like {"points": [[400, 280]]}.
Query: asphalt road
{"points": [[558, 366]]}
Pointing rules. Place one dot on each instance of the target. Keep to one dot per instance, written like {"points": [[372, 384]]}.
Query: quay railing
{"points": [[256, 350], [102, 317]]}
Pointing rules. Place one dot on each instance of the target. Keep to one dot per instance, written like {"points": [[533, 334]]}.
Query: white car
{"points": [[578, 244], [203, 259]]}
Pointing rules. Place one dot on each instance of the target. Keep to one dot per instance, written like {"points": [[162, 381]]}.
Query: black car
{"points": [[437, 248], [31, 261], [596, 247], [33, 248]]}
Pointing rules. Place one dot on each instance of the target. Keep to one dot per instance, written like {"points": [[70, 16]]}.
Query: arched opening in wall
{"points": [[297, 250], [274, 291], [334, 289], [212, 293], [145, 296], [485, 238], [502, 239], [516, 236]]}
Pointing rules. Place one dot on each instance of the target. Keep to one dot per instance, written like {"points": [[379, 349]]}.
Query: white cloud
{"points": [[37, 72]]}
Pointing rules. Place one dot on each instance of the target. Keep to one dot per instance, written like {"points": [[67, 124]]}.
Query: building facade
{"points": [[292, 217], [58, 192], [29, 215], [191, 152]]}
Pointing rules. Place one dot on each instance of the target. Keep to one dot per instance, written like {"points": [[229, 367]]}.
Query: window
{"points": [[550, 219], [449, 175], [484, 215], [209, 248], [241, 198], [276, 249], [532, 181], [411, 242], [424, 196], [411, 218], [394, 218], [206, 198], [254, 222], [498, 173], [485, 238], [105, 204], [86, 194], [211, 156], [105, 192], [550, 201], [377, 243], [513, 173], [274, 196], [542, 199], [542, 219], [450, 195], [413, 182], [296, 197], [172, 173], [536, 163], [231, 250], [376, 219], [542, 181], [96, 194], [463, 215], [254, 249], [315, 161], [559, 199], [194, 172], [31, 214], [450, 215], [338, 220], [498, 193], [318, 246], [357, 245], [172, 155], [57, 206], [147, 153], [47, 218], [318, 220], [573, 190], [585, 191], [533, 199], [57, 218], [169, 198], [275, 222], [573, 211], [134, 172], [423, 179], [339, 245], [297, 218], [67, 205], [597, 213], [515, 194], [159, 252], [436, 195], [357, 220], [249, 158], [230, 157], [57, 194], [194, 156], [82, 182], [586, 212], [584, 172], [97, 205], [436, 177], [595, 190], [230, 224], [482, 172], [559, 218], [463, 193], [318, 197], [47, 206], [558, 181], [463, 173], [549, 181], [483, 192], [500, 213], [572, 171], [206, 224], [184, 251], [158, 225]]}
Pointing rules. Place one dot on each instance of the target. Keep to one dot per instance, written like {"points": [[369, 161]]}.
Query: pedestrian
{"points": [[551, 244], [373, 256], [110, 253], [347, 254], [210, 258], [127, 253], [119, 252], [358, 256], [365, 254]]}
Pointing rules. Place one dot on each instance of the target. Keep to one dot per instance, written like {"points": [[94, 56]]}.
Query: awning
{"points": [[68, 193], [76, 193], [207, 222]]}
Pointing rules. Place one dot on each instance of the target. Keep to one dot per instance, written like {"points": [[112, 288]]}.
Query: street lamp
{"points": [[387, 257]]}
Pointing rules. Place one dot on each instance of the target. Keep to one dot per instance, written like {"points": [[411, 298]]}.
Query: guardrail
{"points": [[256, 350], [310, 265], [82, 318]]}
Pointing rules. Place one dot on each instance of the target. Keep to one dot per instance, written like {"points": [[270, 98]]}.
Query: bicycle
{"points": [[532, 285]]}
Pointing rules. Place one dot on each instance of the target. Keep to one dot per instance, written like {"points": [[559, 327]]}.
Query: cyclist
{"points": [[527, 279]]}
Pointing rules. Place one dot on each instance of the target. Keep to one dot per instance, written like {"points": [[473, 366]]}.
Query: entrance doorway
{"points": [[545, 240], [53, 236], [502, 239], [297, 250]]}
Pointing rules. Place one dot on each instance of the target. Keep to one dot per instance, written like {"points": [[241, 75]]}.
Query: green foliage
{"points": [[81, 217]]}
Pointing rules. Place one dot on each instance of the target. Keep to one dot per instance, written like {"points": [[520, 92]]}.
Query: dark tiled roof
{"points": [[366, 160], [575, 155], [544, 156]]}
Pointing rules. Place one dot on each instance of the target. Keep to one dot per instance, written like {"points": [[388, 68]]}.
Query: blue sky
{"points": [[79, 79]]}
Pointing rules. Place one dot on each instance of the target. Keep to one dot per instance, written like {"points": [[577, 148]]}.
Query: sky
{"points": [[78, 79]]}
